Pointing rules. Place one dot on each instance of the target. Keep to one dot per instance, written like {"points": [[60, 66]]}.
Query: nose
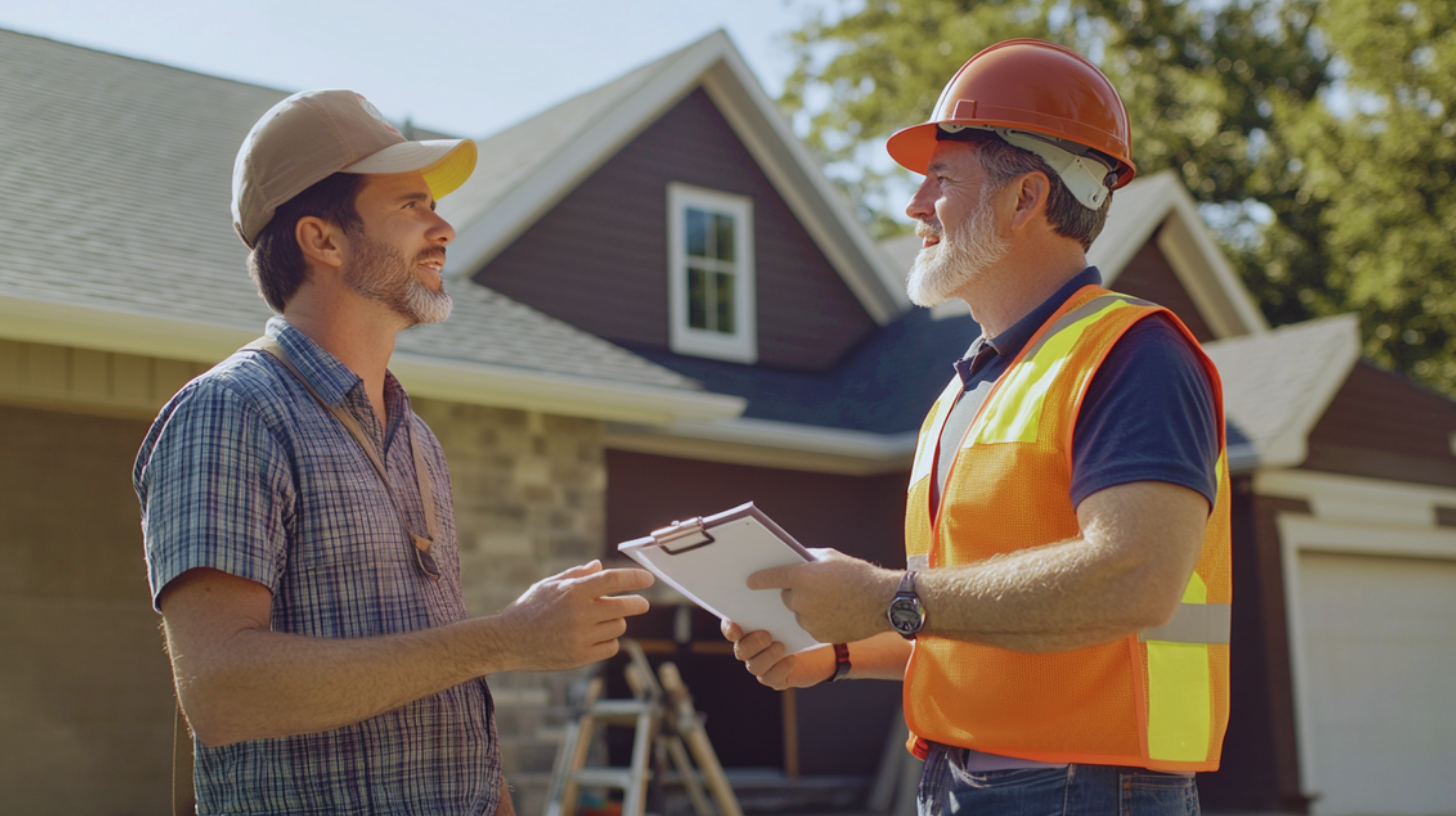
{"points": [[441, 231], [922, 205]]}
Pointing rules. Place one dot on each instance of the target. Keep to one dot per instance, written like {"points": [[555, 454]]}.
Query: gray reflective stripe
{"points": [[1092, 306], [918, 562], [1194, 623]]}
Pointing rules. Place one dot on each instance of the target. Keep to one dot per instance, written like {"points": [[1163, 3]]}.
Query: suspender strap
{"points": [[184, 798], [274, 349]]}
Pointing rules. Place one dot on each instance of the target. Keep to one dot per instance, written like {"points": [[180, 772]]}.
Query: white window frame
{"points": [[742, 345]]}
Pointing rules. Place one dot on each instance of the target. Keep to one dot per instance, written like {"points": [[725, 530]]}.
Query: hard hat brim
{"points": [[913, 146]]}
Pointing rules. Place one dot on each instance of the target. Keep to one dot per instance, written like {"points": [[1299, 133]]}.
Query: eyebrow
{"points": [[415, 197]]}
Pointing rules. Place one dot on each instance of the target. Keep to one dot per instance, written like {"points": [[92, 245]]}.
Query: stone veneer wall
{"points": [[530, 501]]}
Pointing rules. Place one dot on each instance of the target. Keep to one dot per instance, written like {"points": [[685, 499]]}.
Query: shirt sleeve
{"points": [[216, 490], [1149, 415]]}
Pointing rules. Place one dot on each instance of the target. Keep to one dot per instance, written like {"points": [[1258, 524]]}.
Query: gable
{"points": [[1150, 276], [1384, 426], [599, 258]]}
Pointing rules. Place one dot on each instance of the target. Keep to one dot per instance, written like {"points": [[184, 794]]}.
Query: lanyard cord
{"points": [[274, 349]]}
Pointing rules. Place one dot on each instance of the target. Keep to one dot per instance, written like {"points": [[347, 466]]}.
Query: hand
{"points": [[568, 620], [765, 659], [836, 598]]}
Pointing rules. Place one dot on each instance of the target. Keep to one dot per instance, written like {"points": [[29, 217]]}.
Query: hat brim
{"points": [[445, 163]]}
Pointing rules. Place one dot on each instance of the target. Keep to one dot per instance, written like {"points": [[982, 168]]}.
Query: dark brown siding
{"points": [[1149, 276], [598, 260], [842, 728], [1383, 426], [1260, 765]]}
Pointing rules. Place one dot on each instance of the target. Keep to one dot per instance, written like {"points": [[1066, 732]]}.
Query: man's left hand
{"points": [[836, 598]]}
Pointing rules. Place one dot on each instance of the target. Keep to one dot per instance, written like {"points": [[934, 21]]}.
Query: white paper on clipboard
{"points": [[709, 560]]}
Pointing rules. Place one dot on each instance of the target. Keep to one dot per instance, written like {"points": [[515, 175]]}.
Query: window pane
{"points": [[723, 232], [698, 232], [697, 298], [725, 303]]}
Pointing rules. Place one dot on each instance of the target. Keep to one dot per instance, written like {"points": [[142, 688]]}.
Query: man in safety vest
{"points": [[1062, 628]]}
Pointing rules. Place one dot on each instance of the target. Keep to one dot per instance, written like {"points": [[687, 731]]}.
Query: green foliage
{"points": [[1319, 133]]}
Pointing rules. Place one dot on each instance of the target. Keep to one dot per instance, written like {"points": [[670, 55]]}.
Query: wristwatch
{"points": [[906, 613]]}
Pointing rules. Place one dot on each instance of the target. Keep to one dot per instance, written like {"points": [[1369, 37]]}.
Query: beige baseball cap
{"points": [[313, 134]]}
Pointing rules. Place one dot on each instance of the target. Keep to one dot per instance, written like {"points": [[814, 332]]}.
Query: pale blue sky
{"points": [[469, 68]]}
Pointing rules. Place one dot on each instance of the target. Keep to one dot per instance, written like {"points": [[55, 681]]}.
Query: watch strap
{"points": [[841, 662]]}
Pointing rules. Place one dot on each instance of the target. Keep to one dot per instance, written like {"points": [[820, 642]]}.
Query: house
{"points": [[663, 310]]}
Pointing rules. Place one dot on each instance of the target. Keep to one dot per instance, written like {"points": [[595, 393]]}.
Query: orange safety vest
{"points": [[1154, 699]]}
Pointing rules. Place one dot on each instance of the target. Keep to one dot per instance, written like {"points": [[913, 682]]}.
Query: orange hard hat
{"points": [[1036, 93]]}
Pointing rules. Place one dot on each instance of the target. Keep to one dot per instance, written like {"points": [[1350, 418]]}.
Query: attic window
{"points": [[710, 274]]}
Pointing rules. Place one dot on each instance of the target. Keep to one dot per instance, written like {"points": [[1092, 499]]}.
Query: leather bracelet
{"points": [[841, 662]]}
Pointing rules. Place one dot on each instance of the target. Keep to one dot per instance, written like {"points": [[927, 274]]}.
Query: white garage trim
{"points": [[1300, 533]]}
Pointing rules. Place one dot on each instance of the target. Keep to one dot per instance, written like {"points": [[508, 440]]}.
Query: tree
{"points": [[1323, 210]]}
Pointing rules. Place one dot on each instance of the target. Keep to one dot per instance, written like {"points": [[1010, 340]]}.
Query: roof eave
{"points": [[122, 332]]}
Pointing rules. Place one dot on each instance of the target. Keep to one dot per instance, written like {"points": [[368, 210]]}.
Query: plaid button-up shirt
{"points": [[244, 472]]}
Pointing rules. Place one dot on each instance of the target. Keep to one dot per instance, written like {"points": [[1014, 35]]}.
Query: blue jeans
{"points": [[947, 789]]}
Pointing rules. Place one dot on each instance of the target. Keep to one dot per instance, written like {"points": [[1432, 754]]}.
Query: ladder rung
{"points": [[604, 777], [620, 708]]}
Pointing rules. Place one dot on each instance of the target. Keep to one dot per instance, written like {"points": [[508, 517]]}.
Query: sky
{"points": [[465, 68]]}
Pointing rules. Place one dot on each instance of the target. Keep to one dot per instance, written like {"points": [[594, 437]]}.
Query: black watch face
{"points": [[905, 615]]}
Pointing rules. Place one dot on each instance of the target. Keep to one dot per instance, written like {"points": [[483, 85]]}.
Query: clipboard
{"points": [[709, 560]]}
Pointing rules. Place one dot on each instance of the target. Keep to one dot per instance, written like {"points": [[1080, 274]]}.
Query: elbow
{"points": [[212, 721]]}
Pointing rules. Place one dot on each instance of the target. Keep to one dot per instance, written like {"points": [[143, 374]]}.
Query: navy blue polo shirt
{"points": [[1148, 415]]}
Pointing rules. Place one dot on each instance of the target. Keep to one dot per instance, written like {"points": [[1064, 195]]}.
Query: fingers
{"points": [[581, 571], [608, 582], [777, 677], [621, 606], [732, 631], [752, 645], [773, 578]]}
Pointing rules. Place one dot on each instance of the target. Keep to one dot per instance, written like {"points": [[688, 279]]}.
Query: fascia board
{"points": [[1202, 268], [764, 443], [31, 321], [797, 176], [119, 331], [481, 240], [1358, 499], [479, 384]]}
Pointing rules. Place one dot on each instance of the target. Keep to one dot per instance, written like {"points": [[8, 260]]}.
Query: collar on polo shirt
{"points": [[331, 378], [1009, 343]]}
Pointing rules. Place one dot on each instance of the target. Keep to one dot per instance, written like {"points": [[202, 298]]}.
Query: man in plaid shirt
{"points": [[299, 530]]}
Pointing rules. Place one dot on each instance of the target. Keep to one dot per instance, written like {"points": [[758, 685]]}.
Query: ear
{"points": [[321, 242], [1032, 192]]}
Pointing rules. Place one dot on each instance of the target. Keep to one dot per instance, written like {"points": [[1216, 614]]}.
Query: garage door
{"points": [[1379, 676]]}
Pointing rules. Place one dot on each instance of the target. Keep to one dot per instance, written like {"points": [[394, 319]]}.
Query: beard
{"points": [[943, 269], [381, 273]]}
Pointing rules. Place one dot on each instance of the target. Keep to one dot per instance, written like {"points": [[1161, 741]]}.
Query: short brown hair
{"points": [[1003, 162], [276, 265]]}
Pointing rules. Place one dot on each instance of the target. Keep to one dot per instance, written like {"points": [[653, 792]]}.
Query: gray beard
{"points": [[383, 275], [942, 270]]}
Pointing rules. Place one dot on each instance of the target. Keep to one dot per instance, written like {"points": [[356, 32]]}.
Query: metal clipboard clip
{"points": [[683, 536]]}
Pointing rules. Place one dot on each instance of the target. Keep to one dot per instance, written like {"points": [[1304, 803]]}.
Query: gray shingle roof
{"points": [[1277, 384], [114, 186]]}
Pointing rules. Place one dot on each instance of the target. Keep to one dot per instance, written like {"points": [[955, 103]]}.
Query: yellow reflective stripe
{"points": [[1196, 592], [925, 448], [1180, 693], [1180, 701], [1015, 414]]}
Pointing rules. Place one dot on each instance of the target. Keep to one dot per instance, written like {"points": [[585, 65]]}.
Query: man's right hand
{"points": [[574, 618], [765, 659]]}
